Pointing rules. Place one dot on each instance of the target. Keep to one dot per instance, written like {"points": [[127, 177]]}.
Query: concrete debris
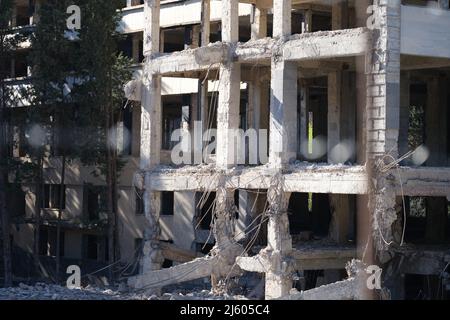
{"points": [[42, 291]]}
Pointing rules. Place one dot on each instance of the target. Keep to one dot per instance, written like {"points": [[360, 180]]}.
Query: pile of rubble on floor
{"points": [[42, 291]]}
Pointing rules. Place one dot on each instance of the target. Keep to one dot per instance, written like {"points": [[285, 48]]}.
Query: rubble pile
{"points": [[42, 291]]}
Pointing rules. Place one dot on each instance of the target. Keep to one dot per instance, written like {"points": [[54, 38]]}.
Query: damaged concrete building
{"points": [[352, 99]]}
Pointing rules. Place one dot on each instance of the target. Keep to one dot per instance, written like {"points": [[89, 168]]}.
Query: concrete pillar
{"points": [[334, 115], [340, 210], [437, 213], [228, 114], [151, 137], [383, 121], [383, 92], [264, 108], [341, 117], [255, 96], [34, 19], [230, 20], [283, 113], [205, 22], [307, 21], [403, 147], [14, 16], [136, 131], [151, 91], [339, 15], [196, 37], [161, 41], [279, 245], [436, 121], [229, 92], [183, 220], [361, 87], [304, 104], [135, 47], [258, 21], [282, 18], [202, 103]]}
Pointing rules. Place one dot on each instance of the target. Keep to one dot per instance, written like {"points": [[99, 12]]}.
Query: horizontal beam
{"points": [[317, 178], [311, 46], [198, 59], [327, 44]]}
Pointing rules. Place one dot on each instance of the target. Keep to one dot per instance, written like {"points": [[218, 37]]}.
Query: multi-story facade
{"points": [[343, 88]]}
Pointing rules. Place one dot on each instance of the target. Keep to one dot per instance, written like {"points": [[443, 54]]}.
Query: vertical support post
{"points": [[279, 244], [282, 18], [135, 48], [151, 137], [404, 113], [436, 118], [339, 226], [205, 22], [339, 15], [230, 20], [229, 92], [307, 21], [383, 121], [334, 115], [202, 105], [258, 23], [283, 113]]}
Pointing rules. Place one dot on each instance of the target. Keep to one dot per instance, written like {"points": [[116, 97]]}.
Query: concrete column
{"points": [[230, 20], [283, 113], [205, 22], [304, 103], [436, 220], [249, 204], [14, 16], [383, 92], [282, 18], [258, 23], [161, 41], [195, 36], [151, 138], [183, 220], [202, 105], [279, 245], [307, 21], [334, 115], [383, 120], [404, 113], [436, 121], [361, 87], [228, 114], [340, 210], [135, 47], [34, 19], [265, 105], [254, 105], [229, 91], [151, 91], [339, 15]]}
